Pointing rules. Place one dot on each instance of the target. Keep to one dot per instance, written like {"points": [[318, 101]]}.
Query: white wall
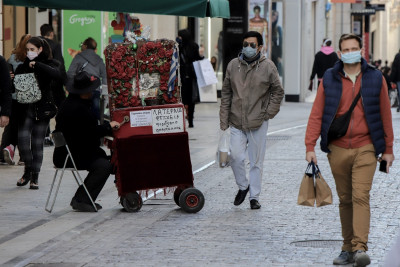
{"points": [[162, 26], [35, 20], [292, 46]]}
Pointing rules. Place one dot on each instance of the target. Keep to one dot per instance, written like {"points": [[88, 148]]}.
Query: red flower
{"points": [[161, 53], [128, 85], [130, 59]]}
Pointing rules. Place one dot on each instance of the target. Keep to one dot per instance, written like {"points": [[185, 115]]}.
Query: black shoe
{"points": [[82, 206], [34, 181], [241, 195], [254, 204], [25, 178]]}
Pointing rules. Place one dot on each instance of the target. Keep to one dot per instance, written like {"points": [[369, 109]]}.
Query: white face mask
{"points": [[32, 55]]}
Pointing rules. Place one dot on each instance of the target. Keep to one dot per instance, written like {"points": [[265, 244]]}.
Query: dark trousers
{"points": [[10, 134], [31, 134], [99, 171], [191, 113]]}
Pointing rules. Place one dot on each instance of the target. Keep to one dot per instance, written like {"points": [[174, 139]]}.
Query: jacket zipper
{"points": [[352, 117]]}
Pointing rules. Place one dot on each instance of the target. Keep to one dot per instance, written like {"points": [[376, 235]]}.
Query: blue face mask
{"points": [[249, 52], [351, 57]]}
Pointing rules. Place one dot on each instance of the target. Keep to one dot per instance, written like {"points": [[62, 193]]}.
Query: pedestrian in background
{"points": [[189, 53], [92, 64], [251, 96], [82, 133], [395, 75], [5, 93], [323, 60], [35, 121], [47, 32], [9, 140], [353, 157]]}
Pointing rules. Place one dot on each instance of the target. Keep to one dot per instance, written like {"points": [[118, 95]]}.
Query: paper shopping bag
{"points": [[307, 190], [322, 190]]}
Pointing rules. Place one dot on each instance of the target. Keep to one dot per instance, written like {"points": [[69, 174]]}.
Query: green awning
{"points": [[189, 8]]}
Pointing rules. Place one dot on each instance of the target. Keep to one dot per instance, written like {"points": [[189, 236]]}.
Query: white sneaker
{"points": [[361, 258]]}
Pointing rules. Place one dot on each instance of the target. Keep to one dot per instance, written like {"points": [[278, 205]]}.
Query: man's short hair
{"points": [[46, 29], [349, 36], [90, 43], [257, 8], [254, 34]]}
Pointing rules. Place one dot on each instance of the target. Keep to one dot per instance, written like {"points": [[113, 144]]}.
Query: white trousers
{"points": [[255, 141]]}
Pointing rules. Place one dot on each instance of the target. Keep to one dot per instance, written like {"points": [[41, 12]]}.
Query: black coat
{"points": [[395, 73], [81, 131], [5, 88], [55, 50], [322, 62], [47, 72]]}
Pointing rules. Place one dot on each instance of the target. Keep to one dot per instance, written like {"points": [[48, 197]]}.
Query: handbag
{"points": [[340, 124], [323, 193], [306, 195], [27, 88], [46, 110]]}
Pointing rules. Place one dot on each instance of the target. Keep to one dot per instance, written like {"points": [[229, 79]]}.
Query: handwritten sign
{"points": [[167, 120], [141, 118]]}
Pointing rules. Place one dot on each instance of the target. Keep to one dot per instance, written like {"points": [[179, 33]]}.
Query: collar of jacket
{"points": [[338, 68], [242, 61]]}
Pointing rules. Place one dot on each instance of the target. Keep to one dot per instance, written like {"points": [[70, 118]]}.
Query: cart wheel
{"points": [[132, 202], [177, 194], [191, 200]]}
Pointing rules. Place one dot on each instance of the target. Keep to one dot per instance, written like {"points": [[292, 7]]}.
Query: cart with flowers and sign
{"points": [[150, 150]]}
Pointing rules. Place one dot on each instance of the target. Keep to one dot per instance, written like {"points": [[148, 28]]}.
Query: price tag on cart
{"points": [[167, 120], [141, 118]]}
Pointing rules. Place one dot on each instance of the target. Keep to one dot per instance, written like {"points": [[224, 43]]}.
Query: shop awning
{"points": [[189, 8]]}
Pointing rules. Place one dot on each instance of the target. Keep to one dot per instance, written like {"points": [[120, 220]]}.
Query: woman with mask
{"points": [[36, 116], [189, 52]]}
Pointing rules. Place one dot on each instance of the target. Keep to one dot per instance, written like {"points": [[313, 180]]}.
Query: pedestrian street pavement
{"points": [[281, 233]]}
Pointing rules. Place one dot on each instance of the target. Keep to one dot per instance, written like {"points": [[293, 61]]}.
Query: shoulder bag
{"points": [[340, 124]]}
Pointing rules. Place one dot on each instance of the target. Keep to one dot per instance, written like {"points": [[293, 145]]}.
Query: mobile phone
{"points": [[11, 68], [382, 166]]}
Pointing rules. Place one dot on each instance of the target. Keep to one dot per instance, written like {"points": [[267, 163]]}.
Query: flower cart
{"points": [[150, 150]]}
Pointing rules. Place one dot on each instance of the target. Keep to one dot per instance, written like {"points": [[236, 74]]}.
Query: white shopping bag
{"points": [[205, 73], [223, 152]]}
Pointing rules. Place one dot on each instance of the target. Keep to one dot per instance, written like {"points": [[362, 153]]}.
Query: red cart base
{"points": [[146, 162]]}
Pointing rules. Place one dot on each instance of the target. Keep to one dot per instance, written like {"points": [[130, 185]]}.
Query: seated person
{"points": [[79, 125]]}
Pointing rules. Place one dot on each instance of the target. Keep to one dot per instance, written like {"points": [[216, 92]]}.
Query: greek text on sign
{"points": [[167, 120], [140, 118]]}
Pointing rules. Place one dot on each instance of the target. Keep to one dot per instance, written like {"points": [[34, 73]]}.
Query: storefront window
{"points": [[265, 17]]}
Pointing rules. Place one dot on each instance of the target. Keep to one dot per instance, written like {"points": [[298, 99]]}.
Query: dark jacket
{"points": [[47, 72], [81, 131], [56, 50], [370, 91], [189, 53], [395, 74], [322, 62], [5, 88]]}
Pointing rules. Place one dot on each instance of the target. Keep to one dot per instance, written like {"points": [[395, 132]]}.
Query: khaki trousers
{"points": [[353, 170]]}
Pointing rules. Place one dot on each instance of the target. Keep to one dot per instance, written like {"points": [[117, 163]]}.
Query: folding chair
{"points": [[59, 141]]}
